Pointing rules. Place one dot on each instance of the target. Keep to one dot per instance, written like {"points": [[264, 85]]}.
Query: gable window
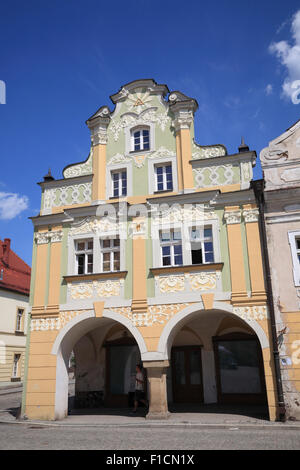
{"points": [[201, 245], [171, 248], [110, 255], [163, 177], [140, 139], [119, 183], [19, 320], [84, 256]]}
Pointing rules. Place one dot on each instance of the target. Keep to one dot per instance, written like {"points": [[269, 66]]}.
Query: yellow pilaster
{"points": [[54, 276], [40, 277], [139, 291], [99, 173], [237, 269], [250, 213]]}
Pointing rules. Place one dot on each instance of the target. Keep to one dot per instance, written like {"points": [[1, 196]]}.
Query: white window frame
{"points": [[111, 250], [164, 176], [140, 129], [161, 161], [16, 366], [293, 236], [97, 266], [118, 168], [20, 319], [128, 132], [185, 234], [171, 243], [118, 172], [87, 251], [202, 241]]}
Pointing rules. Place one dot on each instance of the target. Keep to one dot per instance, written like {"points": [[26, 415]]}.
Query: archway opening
{"points": [[216, 366], [96, 361]]}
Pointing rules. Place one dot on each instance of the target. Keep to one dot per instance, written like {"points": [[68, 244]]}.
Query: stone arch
{"points": [[67, 338], [176, 322]]}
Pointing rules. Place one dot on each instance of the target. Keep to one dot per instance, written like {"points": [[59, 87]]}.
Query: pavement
{"points": [[181, 416]]}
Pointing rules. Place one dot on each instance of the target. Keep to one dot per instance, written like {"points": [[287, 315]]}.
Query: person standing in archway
{"points": [[139, 394]]}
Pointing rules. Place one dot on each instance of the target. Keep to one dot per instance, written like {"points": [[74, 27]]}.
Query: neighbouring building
{"points": [[281, 166], [149, 251], [14, 308]]}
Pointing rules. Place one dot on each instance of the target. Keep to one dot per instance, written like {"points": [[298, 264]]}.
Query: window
{"points": [[140, 140], [19, 321], [297, 241], [110, 255], [163, 177], [119, 183], [201, 245], [171, 248], [294, 240], [15, 371], [84, 256]]}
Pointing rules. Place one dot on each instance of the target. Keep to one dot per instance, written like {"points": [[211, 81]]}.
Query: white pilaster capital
{"points": [[233, 217]]}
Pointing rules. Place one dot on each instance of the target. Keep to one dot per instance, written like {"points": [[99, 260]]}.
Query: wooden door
{"points": [[187, 374]]}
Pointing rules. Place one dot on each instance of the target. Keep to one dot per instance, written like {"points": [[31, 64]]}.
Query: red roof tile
{"points": [[14, 272]]}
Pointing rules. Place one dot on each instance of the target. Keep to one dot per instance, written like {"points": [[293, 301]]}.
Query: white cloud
{"points": [[269, 89], [289, 57], [11, 205]]}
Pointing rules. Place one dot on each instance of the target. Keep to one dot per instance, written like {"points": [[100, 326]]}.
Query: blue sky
{"points": [[61, 60]]}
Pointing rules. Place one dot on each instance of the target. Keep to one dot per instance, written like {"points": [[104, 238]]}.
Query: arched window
{"points": [[140, 139]]}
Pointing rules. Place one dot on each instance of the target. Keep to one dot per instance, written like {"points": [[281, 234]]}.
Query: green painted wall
{"points": [[226, 277]]}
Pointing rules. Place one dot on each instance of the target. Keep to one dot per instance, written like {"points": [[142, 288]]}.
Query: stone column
{"points": [[158, 402]]}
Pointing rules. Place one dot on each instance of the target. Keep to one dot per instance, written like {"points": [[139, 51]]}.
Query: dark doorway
{"points": [[187, 374], [122, 355], [239, 369]]}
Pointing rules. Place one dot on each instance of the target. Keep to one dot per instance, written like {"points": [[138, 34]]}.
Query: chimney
{"points": [[6, 250]]}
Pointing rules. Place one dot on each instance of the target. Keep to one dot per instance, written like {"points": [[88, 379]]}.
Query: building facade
{"points": [[14, 308], [149, 251], [281, 167]]}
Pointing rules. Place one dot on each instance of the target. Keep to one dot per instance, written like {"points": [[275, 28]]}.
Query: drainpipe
{"points": [[258, 188]]}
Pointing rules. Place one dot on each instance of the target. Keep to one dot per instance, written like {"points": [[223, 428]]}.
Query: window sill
{"points": [[138, 152], [94, 276], [164, 191], [187, 268]]}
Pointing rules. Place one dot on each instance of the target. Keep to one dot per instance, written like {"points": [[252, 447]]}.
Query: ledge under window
{"points": [[92, 277], [187, 268]]}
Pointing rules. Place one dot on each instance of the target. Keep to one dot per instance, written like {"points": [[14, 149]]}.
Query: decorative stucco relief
{"points": [[188, 282], [170, 283], [108, 288], [97, 225], [131, 119], [67, 195], [207, 152], [251, 215], [46, 237], [214, 175], [45, 324], [255, 312], [80, 169], [92, 289], [203, 281], [156, 314], [233, 217], [139, 160], [186, 213]]}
